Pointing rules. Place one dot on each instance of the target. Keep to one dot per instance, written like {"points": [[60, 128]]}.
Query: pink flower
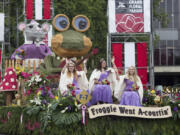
{"points": [[95, 50], [25, 75], [9, 114], [29, 92], [37, 125], [73, 93], [36, 73], [3, 121]]}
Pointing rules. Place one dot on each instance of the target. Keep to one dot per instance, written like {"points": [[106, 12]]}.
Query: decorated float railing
{"points": [[28, 64]]}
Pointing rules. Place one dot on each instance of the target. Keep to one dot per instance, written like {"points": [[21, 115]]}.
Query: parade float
{"points": [[34, 104]]}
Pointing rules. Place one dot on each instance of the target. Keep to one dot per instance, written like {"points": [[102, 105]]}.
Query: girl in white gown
{"points": [[102, 91], [70, 75], [129, 90]]}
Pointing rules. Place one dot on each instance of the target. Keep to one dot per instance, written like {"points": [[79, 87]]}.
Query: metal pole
{"points": [[17, 31], [151, 72], [108, 50]]}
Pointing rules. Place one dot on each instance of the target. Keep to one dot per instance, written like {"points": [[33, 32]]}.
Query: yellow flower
{"points": [[17, 68], [56, 97], [75, 102], [22, 69], [39, 93], [153, 92], [157, 99]]}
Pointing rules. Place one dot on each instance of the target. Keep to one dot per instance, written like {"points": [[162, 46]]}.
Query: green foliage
{"points": [[63, 119], [2, 98], [103, 125], [148, 99], [159, 13]]}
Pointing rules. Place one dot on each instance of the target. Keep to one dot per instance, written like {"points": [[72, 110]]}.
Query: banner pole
{"points": [[151, 73]]}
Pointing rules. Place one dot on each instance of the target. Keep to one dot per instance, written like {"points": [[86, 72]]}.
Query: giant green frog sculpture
{"points": [[67, 43]]}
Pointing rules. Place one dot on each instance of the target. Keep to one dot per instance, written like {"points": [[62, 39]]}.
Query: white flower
{"points": [[38, 79], [4, 80], [7, 84], [36, 101], [29, 84], [1, 88], [63, 111], [13, 86], [32, 79], [5, 74], [12, 79], [79, 106], [10, 72]]}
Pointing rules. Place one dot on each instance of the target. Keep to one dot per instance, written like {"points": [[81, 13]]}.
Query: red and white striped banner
{"points": [[132, 55], [42, 9], [129, 16], [117, 49]]}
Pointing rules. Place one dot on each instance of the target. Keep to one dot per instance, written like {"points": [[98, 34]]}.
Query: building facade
{"points": [[167, 51]]}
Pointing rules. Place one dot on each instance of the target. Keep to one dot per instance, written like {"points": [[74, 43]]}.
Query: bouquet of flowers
{"points": [[20, 53], [35, 82], [105, 82], [135, 87], [44, 95], [71, 86]]}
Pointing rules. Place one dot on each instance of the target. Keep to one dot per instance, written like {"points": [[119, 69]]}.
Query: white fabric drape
{"points": [[129, 55], [1, 27], [111, 16], [38, 9], [147, 15]]}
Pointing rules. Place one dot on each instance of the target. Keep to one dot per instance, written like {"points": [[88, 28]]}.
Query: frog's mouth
{"points": [[71, 48]]}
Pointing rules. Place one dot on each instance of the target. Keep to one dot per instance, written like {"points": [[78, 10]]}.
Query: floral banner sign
{"points": [[129, 111], [129, 16]]}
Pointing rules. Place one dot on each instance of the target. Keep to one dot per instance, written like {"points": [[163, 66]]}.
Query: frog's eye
{"points": [[61, 22], [81, 23]]}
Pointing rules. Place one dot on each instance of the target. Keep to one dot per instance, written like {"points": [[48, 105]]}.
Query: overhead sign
{"points": [[129, 111], [129, 16]]}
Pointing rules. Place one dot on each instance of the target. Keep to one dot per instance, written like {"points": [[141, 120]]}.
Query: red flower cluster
{"points": [[94, 51], [135, 87], [71, 86], [73, 93], [105, 82]]}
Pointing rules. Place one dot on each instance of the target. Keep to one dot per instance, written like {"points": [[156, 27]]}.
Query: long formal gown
{"points": [[77, 90], [129, 96], [101, 92]]}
